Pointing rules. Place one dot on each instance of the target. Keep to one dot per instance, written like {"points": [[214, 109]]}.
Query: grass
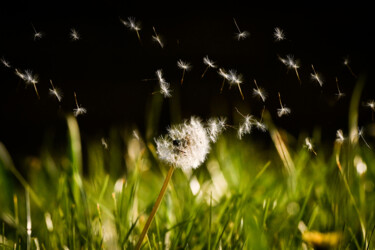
{"points": [[284, 197]]}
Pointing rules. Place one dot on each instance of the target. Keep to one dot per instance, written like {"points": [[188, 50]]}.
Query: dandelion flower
{"points": [[5, 62], [79, 110], [283, 110], [241, 34], [132, 25], [209, 63], [74, 35], [278, 34], [55, 92], [185, 146], [316, 77], [185, 66], [309, 145], [259, 92], [157, 38]]}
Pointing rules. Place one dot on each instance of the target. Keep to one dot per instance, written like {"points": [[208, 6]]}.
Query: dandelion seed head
{"points": [[283, 111], [245, 127], [159, 75], [183, 65], [215, 126], [340, 136], [278, 34], [208, 62], [185, 146], [74, 35]]}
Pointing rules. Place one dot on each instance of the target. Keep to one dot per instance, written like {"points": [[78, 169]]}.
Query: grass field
{"points": [[244, 196]]}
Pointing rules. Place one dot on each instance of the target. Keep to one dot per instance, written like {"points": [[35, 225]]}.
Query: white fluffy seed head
{"points": [[183, 65], [278, 34], [209, 62], [261, 93], [74, 35], [340, 136], [56, 93], [185, 146], [283, 111]]}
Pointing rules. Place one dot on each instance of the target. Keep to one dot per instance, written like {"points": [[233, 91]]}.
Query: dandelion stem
{"points": [[75, 98], [36, 91], [222, 86], [235, 23], [155, 208], [139, 37], [205, 71], [280, 100], [350, 70], [239, 88], [299, 79], [183, 75]]}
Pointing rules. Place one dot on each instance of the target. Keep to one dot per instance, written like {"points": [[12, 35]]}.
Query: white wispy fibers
{"points": [[241, 34], [74, 35], [278, 34], [185, 146], [215, 126]]}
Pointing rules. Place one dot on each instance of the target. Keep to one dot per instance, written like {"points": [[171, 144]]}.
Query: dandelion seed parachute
{"points": [[185, 146]]}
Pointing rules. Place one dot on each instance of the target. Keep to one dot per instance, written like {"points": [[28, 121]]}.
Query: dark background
{"points": [[106, 67]]}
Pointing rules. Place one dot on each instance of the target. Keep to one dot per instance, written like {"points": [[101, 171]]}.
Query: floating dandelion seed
{"points": [[37, 35], [186, 147], [339, 94], [74, 35], [259, 124], [29, 79], [309, 145], [371, 104], [5, 62], [55, 92], [157, 38], [104, 143], [340, 136], [283, 110], [241, 34], [225, 76], [360, 134], [132, 25], [244, 127], [163, 84], [259, 92], [235, 79], [215, 126], [316, 77], [291, 64], [185, 67], [346, 63], [209, 63], [79, 110], [278, 34]]}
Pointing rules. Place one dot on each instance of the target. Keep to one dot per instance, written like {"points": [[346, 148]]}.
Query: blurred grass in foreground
{"points": [[241, 198]]}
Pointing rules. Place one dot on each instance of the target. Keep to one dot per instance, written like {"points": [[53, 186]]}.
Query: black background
{"points": [[107, 65]]}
